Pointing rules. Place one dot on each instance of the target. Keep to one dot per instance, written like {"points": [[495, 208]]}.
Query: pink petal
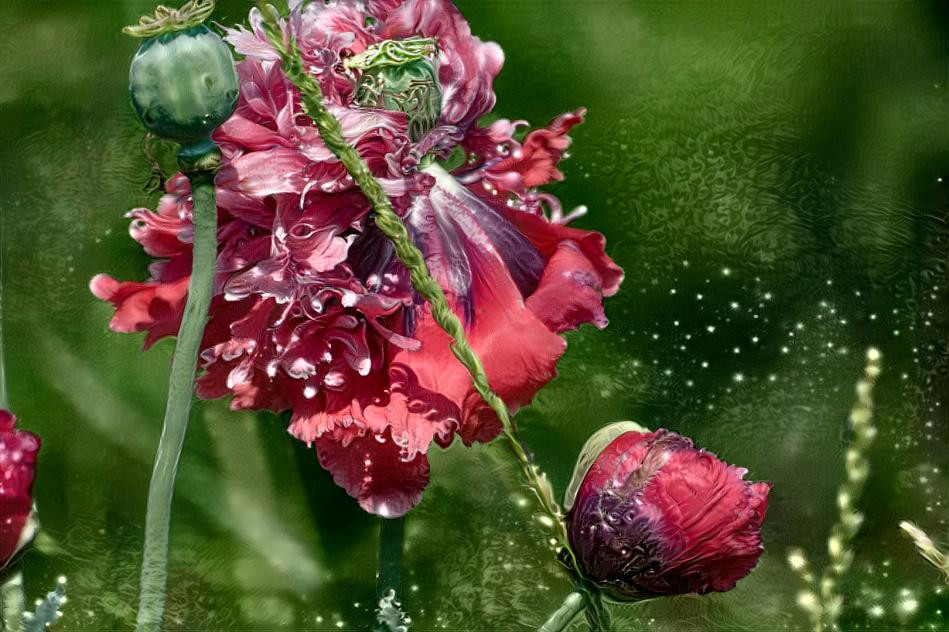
{"points": [[547, 237], [153, 307], [570, 292], [711, 519], [519, 352], [261, 173]]}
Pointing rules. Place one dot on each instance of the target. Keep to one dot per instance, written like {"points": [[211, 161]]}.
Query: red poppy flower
{"points": [[312, 312]]}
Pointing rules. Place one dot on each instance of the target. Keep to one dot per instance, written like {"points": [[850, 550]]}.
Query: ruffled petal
{"points": [[153, 307], [547, 237], [711, 520], [372, 470], [570, 292], [519, 352], [268, 172], [534, 163]]}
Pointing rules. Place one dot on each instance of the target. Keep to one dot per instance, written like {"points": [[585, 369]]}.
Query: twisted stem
{"points": [[412, 258], [180, 393]]}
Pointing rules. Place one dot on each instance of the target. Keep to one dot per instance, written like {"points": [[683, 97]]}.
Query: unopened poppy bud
{"points": [[649, 514]]}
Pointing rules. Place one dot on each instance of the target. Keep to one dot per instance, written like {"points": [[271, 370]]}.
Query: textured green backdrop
{"points": [[771, 175]]}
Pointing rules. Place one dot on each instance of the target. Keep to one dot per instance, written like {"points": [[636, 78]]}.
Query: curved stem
{"points": [[180, 393], [568, 610], [412, 258], [598, 615]]}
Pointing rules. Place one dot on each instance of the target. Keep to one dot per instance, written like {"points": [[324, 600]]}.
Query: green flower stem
{"points": [[569, 609], [180, 393], [391, 543], [412, 258]]}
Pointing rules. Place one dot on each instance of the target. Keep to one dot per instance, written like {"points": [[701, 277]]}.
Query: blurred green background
{"points": [[772, 176]]}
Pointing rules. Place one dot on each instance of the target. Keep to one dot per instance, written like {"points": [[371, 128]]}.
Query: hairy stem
{"points": [[857, 466], [178, 407]]}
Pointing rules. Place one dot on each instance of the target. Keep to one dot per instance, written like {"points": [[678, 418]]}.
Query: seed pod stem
{"points": [[178, 407]]}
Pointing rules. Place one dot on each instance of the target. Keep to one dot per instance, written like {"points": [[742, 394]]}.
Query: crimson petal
{"points": [[371, 469]]}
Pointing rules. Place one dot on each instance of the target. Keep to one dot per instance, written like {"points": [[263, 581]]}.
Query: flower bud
{"points": [[183, 84], [401, 75], [18, 522], [649, 514]]}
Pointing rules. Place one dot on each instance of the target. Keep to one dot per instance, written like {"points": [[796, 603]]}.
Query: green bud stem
{"points": [[567, 612], [180, 393], [412, 258]]}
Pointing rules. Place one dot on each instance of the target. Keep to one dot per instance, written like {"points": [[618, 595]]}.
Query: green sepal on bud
{"points": [[591, 450]]}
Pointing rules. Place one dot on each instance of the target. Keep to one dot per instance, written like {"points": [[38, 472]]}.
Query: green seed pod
{"points": [[183, 84]]}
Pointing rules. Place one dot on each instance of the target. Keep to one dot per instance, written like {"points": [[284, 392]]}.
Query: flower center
{"points": [[401, 75]]}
